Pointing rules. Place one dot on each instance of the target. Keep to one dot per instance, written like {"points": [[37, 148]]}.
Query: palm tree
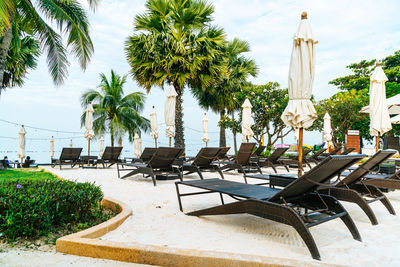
{"points": [[28, 17], [175, 43], [115, 113], [221, 97]]}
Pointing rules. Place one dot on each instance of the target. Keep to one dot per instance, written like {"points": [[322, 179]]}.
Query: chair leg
{"points": [[219, 171], [267, 210], [349, 195], [364, 188]]}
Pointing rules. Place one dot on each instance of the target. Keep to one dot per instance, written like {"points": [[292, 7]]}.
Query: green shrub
{"points": [[31, 208]]}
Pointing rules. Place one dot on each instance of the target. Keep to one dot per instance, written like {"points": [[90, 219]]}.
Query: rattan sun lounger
{"points": [[223, 153], [314, 157], [203, 162], [333, 152], [69, 156], [273, 160], [110, 156], [161, 163], [295, 161], [146, 155], [348, 151], [386, 181], [297, 205], [241, 162]]}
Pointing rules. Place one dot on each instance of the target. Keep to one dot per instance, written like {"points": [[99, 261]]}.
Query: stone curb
{"points": [[86, 243]]}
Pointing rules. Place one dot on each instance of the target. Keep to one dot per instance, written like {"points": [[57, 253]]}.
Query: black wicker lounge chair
{"points": [[314, 157], [161, 163], [351, 188], [69, 156], [110, 156], [273, 160], [241, 162], [223, 153], [297, 205], [332, 153], [146, 155], [348, 151], [294, 161], [203, 162], [386, 181]]}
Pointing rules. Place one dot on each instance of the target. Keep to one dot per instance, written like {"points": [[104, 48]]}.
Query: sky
{"points": [[348, 31]]}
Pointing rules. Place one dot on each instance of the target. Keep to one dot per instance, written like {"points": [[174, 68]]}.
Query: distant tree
{"points": [[174, 42], [29, 18], [344, 109], [269, 102], [114, 112]]}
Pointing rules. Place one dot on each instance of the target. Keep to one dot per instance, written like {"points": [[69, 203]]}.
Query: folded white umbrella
{"points": [[296, 134], [101, 149], [327, 133], [169, 113], [153, 124], [137, 143], [247, 132], [52, 147], [379, 113], [300, 112], [21, 138], [205, 129], [89, 134], [395, 119]]}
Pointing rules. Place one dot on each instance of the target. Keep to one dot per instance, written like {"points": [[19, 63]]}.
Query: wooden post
{"points": [[300, 152], [88, 147], [155, 142], [377, 143], [170, 140]]}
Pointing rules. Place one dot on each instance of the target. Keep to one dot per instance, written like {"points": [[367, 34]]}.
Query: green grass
{"points": [[25, 174]]}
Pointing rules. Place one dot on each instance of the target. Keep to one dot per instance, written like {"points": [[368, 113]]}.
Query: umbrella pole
{"points": [[170, 141], [155, 142], [300, 152], [88, 147], [377, 143], [206, 144]]}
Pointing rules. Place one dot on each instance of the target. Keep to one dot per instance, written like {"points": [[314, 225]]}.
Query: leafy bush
{"points": [[31, 208]]}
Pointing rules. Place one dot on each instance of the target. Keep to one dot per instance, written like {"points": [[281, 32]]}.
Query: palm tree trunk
{"points": [[234, 133], [4, 47], [179, 134], [222, 135], [112, 138]]}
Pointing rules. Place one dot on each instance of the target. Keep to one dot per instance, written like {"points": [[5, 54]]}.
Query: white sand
{"points": [[35, 258], [157, 220]]}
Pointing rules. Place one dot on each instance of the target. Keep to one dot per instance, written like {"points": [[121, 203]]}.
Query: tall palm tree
{"points": [[29, 18], [221, 96], [175, 43], [115, 113]]}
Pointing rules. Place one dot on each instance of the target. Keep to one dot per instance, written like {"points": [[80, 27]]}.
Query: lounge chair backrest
{"points": [[327, 169], [3, 164], [348, 151], [335, 151], [222, 152], [259, 150], [393, 143], [27, 163], [367, 166], [244, 153], [70, 153], [112, 153], [277, 154], [206, 155], [164, 157], [318, 153], [147, 153], [306, 152]]}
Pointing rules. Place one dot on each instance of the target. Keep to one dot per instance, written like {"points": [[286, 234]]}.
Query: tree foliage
{"points": [[114, 112]]}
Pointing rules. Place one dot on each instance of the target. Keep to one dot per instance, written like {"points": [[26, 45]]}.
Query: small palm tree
{"points": [[32, 17], [221, 96], [115, 113]]}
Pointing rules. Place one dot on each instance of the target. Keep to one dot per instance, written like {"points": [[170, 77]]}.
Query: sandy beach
{"points": [[157, 220]]}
